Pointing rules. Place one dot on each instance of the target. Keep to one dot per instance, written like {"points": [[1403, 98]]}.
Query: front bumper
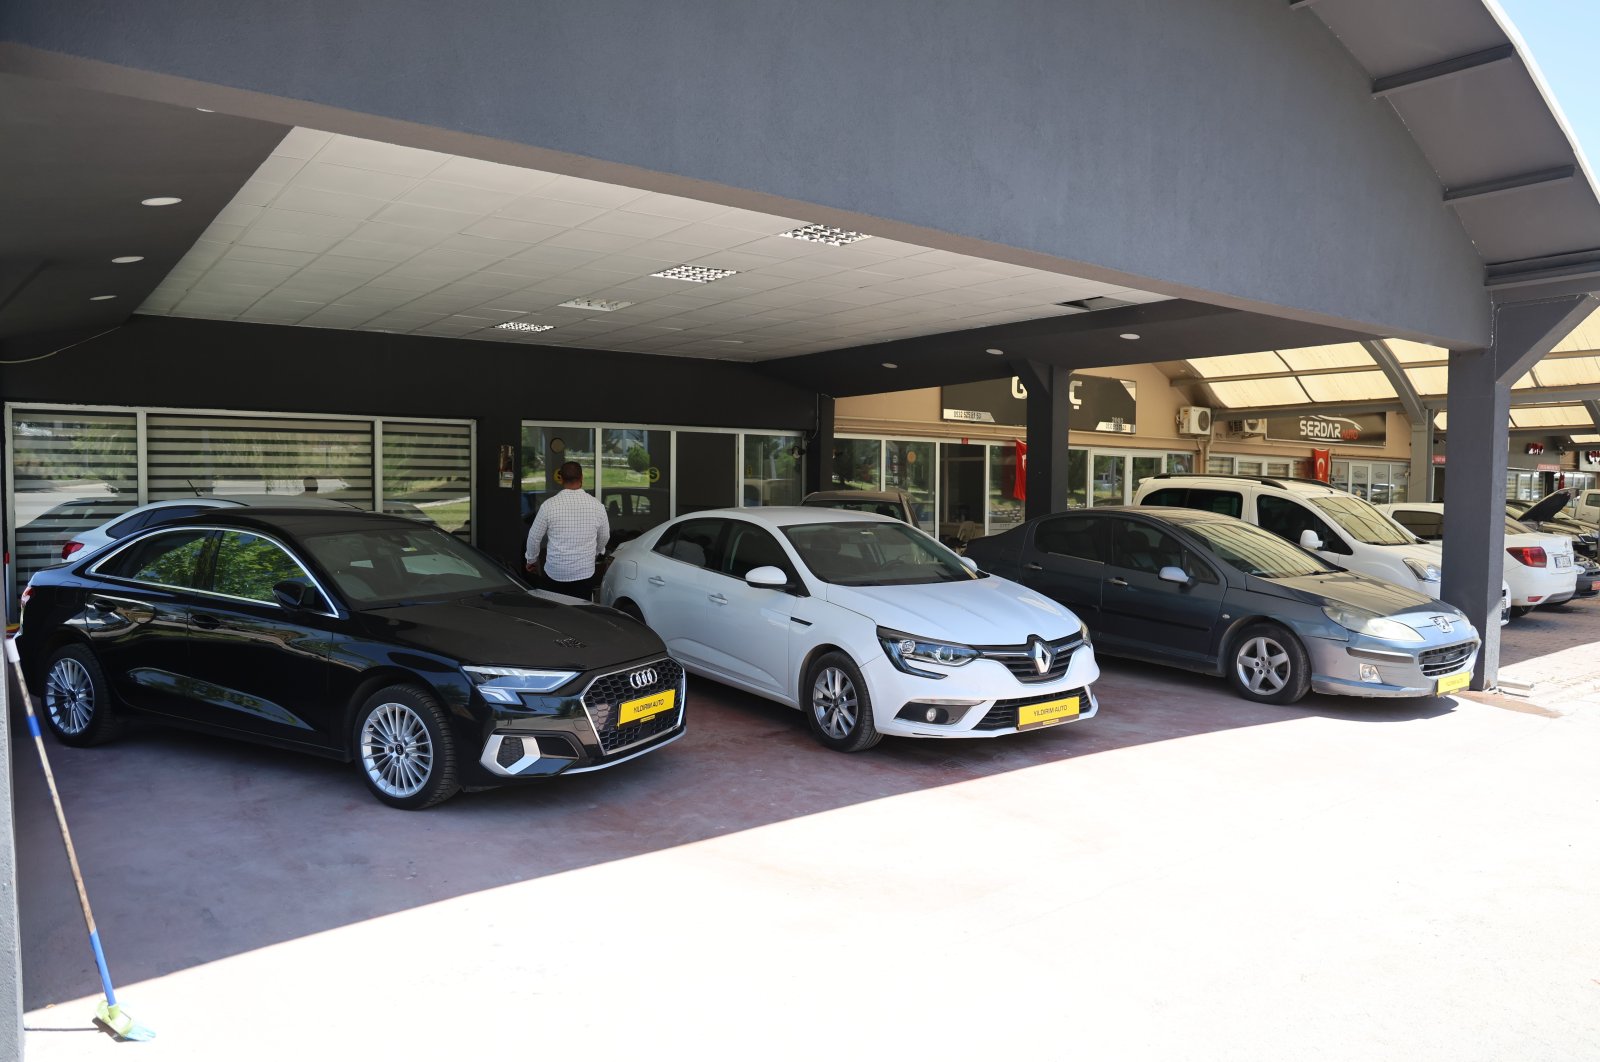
{"points": [[1414, 670], [982, 699], [578, 731]]}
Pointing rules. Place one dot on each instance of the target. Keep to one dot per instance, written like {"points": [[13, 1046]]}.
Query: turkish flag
{"points": [[1019, 483], [1321, 463]]}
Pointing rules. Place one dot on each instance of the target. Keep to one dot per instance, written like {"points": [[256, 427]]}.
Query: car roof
{"points": [[854, 495], [789, 515], [297, 520], [1209, 479], [1175, 514]]}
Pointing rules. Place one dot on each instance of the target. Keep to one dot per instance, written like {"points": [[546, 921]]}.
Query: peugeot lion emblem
{"points": [[1443, 623], [1041, 655], [645, 676]]}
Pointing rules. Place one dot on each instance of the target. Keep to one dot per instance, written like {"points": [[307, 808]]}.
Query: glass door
{"points": [[1110, 479]]}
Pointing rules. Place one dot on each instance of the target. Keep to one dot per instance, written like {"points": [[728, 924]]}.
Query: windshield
{"points": [[1361, 521], [874, 554], [1257, 552], [395, 564]]}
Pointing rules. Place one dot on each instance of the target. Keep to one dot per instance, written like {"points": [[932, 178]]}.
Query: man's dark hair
{"points": [[571, 472]]}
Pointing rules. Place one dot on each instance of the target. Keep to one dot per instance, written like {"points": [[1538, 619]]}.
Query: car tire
{"points": [[837, 706], [1268, 664], [404, 748], [77, 702], [1518, 611]]}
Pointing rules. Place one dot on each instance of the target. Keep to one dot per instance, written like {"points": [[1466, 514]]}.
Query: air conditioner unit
{"points": [[1256, 426], [1194, 420]]}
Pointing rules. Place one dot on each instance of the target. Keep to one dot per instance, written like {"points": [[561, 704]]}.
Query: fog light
{"points": [[932, 715], [1369, 673]]}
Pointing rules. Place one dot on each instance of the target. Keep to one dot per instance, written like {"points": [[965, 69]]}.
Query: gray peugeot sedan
{"points": [[1211, 593]]}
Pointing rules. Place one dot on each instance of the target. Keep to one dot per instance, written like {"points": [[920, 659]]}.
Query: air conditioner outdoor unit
{"points": [[1257, 426], [1194, 420]]}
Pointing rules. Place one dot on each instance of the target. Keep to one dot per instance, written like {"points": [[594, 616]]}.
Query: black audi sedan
{"points": [[1211, 593], [351, 635]]}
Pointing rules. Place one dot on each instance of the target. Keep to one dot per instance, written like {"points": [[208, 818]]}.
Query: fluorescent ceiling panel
{"points": [[1584, 337], [1568, 372], [1327, 356], [1267, 391], [1264, 362], [1347, 386], [1405, 350], [1430, 380], [1549, 416]]}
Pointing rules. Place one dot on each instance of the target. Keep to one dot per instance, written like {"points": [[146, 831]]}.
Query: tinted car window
{"points": [[1421, 522], [248, 566], [377, 567], [169, 560], [1288, 519], [693, 542], [1069, 536], [878, 553], [1226, 502], [1256, 552], [752, 547], [1361, 520], [1142, 547]]}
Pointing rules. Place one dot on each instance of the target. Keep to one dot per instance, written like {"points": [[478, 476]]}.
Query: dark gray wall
{"points": [[185, 363], [1227, 147]]}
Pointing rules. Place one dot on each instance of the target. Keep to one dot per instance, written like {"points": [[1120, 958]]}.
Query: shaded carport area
{"points": [[1258, 881]]}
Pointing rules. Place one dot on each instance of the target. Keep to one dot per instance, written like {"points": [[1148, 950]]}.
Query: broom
{"points": [[108, 1013]]}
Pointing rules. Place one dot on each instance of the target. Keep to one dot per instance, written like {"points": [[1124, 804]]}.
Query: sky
{"points": [[1563, 36]]}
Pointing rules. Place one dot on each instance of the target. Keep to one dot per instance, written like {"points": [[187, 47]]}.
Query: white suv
{"points": [[1336, 525]]}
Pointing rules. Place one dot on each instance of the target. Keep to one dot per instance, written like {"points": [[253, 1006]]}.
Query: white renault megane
{"points": [[865, 624]]}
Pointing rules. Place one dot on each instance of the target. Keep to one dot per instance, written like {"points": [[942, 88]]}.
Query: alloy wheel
{"points": [[1263, 666], [396, 751], [69, 696], [834, 703]]}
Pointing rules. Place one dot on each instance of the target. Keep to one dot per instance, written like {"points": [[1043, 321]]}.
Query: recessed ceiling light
{"points": [[694, 274], [995, 351], [1130, 335], [524, 326], [890, 365], [602, 305], [100, 298], [825, 234], [161, 200], [128, 259]]}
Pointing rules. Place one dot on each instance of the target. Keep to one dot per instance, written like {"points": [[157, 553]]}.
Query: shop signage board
{"points": [[1326, 429], [1098, 403]]}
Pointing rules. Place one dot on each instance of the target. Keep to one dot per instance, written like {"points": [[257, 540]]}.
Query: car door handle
{"points": [[1032, 567], [718, 599], [656, 580], [206, 623], [1117, 580]]}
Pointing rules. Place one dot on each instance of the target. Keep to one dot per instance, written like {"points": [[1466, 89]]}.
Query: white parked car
{"points": [[1539, 568], [1336, 525], [120, 527], [865, 624]]}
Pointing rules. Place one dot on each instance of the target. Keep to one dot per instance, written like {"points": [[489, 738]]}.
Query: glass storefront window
{"points": [[856, 463], [1143, 469], [635, 480], [909, 466], [1004, 507], [1077, 478], [545, 448], [189, 455], [773, 473], [961, 497], [427, 473], [72, 471], [1110, 473], [1180, 462], [709, 460], [1219, 466]]}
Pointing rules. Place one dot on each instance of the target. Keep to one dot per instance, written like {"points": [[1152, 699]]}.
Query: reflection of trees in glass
{"points": [[638, 458], [61, 451], [249, 567], [175, 567]]}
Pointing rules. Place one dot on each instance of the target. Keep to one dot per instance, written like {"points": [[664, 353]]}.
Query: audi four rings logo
{"points": [[645, 676], [1041, 655]]}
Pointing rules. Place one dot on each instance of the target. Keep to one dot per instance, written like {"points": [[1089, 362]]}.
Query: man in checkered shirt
{"points": [[577, 530]]}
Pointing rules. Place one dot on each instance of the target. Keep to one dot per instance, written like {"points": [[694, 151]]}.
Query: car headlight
{"points": [[504, 684], [1427, 571], [1083, 634], [1371, 624], [905, 649]]}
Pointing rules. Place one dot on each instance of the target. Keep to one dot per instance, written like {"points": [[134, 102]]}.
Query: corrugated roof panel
{"points": [[1586, 439], [1585, 337], [1262, 362], [1407, 351], [1326, 356], [1525, 381], [1347, 386], [1441, 420], [1568, 372], [1267, 391], [1430, 380], [1548, 416]]}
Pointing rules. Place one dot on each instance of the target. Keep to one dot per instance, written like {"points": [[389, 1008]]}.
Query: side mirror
{"points": [[292, 594], [768, 576], [971, 565], [1174, 574], [1309, 540]]}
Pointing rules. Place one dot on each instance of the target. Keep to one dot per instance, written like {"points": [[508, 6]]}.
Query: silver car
{"points": [[1211, 593]]}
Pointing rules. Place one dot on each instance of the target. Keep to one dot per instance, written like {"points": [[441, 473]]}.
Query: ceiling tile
{"points": [[709, 237], [350, 181], [288, 241], [384, 158], [299, 221], [639, 226], [317, 201], [584, 240], [593, 193], [499, 228], [672, 206], [492, 176], [403, 235], [257, 192], [751, 221], [278, 169], [550, 212], [243, 253], [445, 196], [441, 222]]}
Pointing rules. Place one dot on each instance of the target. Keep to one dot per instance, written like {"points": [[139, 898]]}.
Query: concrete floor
{"points": [[1187, 876]]}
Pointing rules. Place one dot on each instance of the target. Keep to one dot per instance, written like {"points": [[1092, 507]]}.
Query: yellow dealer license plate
{"points": [[1046, 713], [642, 708], [1451, 683]]}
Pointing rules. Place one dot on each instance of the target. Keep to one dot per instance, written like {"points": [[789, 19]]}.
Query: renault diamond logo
{"points": [[645, 676], [1443, 623], [1042, 656]]}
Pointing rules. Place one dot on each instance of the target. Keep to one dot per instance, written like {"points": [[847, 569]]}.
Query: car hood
{"points": [[517, 628], [1349, 589], [990, 611], [1546, 507]]}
